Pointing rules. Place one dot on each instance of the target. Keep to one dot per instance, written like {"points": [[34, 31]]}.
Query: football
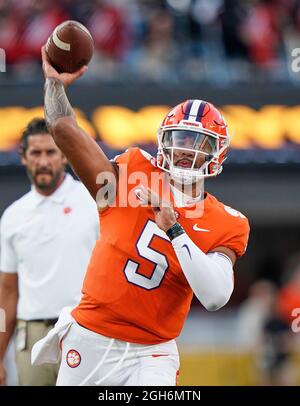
{"points": [[70, 46]]}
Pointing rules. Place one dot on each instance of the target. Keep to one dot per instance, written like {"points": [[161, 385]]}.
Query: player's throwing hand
{"points": [[65, 78]]}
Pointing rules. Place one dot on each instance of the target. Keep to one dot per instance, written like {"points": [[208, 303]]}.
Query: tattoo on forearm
{"points": [[57, 104]]}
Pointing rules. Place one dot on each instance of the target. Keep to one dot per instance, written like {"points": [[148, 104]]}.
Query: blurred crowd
{"points": [[269, 326], [217, 41]]}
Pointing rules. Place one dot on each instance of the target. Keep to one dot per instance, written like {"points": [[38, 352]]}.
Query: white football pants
{"points": [[89, 358]]}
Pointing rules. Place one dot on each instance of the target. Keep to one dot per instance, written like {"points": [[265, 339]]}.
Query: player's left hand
{"points": [[163, 211]]}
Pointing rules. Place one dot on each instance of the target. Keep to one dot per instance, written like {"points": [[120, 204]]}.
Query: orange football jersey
{"points": [[134, 289]]}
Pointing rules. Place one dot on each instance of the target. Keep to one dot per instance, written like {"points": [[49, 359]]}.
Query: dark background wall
{"points": [[135, 95]]}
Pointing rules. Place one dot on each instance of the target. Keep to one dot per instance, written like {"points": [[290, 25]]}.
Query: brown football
{"points": [[70, 46]]}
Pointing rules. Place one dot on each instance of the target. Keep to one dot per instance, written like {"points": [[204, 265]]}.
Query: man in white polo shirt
{"points": [[47, 237]]}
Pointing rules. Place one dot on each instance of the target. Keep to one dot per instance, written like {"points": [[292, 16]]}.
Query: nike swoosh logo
{"points": [[188, 250], [159, 355], [196, 228]]}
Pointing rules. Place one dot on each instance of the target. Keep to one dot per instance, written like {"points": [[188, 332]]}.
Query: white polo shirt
{"points": [[48, 241]]}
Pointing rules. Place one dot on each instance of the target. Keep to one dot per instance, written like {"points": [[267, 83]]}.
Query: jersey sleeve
{"points": [[236, 238], [8, 257], [129, 157], [132, 157], [131, 165]]}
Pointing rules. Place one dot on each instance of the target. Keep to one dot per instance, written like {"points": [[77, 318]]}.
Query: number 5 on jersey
{"points": [[133, 269]]}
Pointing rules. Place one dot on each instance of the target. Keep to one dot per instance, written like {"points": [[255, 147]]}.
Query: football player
{"points": [[154, 253]]}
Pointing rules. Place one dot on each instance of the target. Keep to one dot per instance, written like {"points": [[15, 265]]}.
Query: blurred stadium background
{"points": [[150, 55]]}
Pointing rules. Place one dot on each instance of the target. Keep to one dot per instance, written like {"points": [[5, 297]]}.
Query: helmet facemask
{"points": [[189, 155]]}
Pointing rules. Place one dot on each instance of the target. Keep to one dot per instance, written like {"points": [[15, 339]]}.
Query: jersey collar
{"points": [[183, 200]]}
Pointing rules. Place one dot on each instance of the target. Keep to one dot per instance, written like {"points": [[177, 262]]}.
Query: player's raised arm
{"points": [[83, 153]]}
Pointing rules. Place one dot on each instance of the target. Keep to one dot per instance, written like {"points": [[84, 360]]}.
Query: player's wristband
{"points": [[175, 231]]}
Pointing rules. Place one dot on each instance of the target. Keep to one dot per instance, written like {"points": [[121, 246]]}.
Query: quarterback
{"points": [[159, 245]]}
